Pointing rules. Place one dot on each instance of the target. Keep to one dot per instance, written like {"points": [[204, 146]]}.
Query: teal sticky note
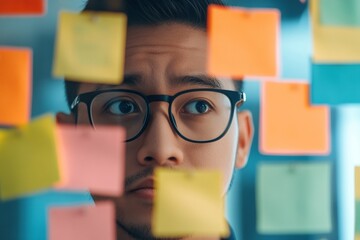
{"points": [[293, 198], [340, 13], [335, 84]]}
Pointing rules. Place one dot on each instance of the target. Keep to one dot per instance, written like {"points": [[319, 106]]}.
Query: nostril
{"points": [[148, 159]]}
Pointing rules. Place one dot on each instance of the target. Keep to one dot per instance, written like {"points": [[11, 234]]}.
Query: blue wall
{"points": [[48, 96]]}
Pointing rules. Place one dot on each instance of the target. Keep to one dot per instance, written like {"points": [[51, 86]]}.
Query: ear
{"points": [[246, 134], [65, 118]]}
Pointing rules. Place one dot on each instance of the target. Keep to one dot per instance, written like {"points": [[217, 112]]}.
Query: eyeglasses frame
{"points": [[236, 99]]}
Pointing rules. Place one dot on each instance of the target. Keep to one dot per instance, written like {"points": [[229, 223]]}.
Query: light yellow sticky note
{"points": [[28, 158], [90, 47], [333, 44], [188, 203], [357, 183]]}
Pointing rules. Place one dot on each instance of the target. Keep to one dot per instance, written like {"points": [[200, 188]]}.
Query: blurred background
{"points": [[20, 219]]}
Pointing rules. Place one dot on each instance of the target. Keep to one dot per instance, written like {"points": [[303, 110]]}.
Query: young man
{"points": [[203, 128]]}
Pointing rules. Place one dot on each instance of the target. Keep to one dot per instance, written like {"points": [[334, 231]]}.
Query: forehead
{"points": [[160, 55]]}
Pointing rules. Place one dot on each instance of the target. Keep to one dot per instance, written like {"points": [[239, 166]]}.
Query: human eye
{"points": [[197, 107], [121, 107]]}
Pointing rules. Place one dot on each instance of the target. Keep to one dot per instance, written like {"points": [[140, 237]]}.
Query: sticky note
{"points": [[357, 183], [15, 85], [289, 124], [28, 154], [83, 222], [293, 198], [26, 218], [341, 79], [92, 159], [90, 47], [333, 44], [242, 42], [22, 7], [340, 12], [182, 203]]}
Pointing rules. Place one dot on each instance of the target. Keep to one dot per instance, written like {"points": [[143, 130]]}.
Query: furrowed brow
{"points": [[199, 80]]}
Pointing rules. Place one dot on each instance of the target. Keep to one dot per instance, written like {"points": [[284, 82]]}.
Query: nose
{"points": [[160, 142]]}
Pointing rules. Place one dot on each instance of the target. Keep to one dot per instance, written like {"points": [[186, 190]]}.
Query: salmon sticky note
{"points": [[83, 222], [288, 124], [242, 42], [15, 85], [92, 159], [28, 155], [90, 47], [333, 44], [183, 201], [22, 7]]}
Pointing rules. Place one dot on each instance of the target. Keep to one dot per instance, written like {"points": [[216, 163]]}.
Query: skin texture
{"points": [[160, 55]]}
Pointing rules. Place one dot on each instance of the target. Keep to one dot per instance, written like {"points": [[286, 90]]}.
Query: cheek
{"points": [[219, 155]]}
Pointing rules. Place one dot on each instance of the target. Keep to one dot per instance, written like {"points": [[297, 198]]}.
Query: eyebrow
{"points": [[202, 80], [130, 80]]}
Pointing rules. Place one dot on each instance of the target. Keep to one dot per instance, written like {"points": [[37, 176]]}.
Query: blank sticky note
{"points": [[22, 7], [333, 44], [340, 12], [289, 124], [183, 202], [29, 156], [242, 42], [293, 198], [90, 47], [328, 79], [92, 159], [15, 85], [357, 183], [83, 222]]}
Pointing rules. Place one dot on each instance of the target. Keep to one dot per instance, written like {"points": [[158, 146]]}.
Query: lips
{"points": [[144, 189]]}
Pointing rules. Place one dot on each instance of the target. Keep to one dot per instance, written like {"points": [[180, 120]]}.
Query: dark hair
{"points": [[152, 12]]}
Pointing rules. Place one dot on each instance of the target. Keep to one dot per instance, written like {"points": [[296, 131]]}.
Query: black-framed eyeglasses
{"points": [[197, 115]]}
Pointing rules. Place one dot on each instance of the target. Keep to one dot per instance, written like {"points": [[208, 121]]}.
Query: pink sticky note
{"points": [[83, 222], [92, 159]]}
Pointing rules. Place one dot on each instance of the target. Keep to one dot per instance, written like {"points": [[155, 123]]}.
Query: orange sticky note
{"points": [[92, 159], [22, 7], [15, 85], [242, 42], [288, 124], [83, 222]]}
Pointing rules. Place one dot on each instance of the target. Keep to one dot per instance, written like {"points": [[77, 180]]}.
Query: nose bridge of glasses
{"points": [[159, 98]]}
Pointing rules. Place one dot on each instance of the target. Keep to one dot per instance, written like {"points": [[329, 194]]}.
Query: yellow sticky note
{"points": [[333, 44], [188, 203], [90, 47], [357, 183], [28, 158]]}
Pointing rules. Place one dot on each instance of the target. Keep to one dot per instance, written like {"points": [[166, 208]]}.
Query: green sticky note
{"points": [[357, 216], [28, 158], [293, 198], [340, 12]]}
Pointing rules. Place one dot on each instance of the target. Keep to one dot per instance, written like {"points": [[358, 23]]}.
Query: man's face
{"points": [[159, 56]]}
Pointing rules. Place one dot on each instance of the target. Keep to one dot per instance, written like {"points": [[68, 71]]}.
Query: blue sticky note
{"points": [[26, 218], [335, 84], [340, 12]]}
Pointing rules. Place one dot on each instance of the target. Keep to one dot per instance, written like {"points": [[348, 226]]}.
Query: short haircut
{"points": [[151, 13]]}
